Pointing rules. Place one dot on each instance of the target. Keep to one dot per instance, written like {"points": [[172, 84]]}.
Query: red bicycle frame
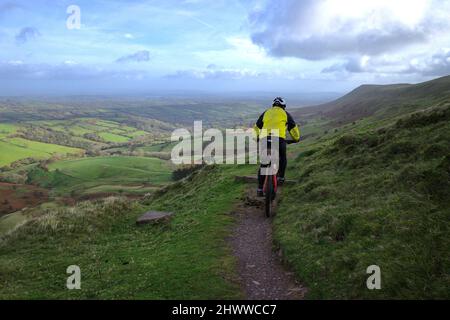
{"points": [[274, 183]]}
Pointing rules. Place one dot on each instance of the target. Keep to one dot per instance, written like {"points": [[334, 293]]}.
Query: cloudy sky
{"points": [[223, 45]]}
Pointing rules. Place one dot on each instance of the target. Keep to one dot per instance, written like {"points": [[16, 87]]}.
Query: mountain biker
{"points": [[275, 120]]}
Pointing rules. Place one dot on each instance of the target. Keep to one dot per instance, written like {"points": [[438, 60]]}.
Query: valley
{"points": [[372, 174]]}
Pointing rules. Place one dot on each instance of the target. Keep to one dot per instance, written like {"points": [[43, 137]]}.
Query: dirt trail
{"points": [[261, 272]]}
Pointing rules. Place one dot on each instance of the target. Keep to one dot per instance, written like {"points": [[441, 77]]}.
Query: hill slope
{"points": [[187, 259], [382, 101], [369, 195]]}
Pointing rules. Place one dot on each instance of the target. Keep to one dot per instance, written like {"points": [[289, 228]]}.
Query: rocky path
{"points": [[261, 272]]}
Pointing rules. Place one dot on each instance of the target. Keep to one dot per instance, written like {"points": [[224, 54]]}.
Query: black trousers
{"points": [[282, 164]]}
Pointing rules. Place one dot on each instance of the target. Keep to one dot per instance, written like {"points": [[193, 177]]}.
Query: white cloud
{"points": [[318, 29], [245, 48], [435, 65], [15, 62], [214, 72], [370, 36]]}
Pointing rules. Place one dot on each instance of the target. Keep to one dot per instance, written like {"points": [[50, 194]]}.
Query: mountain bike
{"points": [[271, 186]]}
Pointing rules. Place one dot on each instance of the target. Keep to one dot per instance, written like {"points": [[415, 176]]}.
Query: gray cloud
{"points": [[350, 65], [286, 28], [432, 65], [435, 66], [323, 47], [17, 70], [140, 56], [26, 34]]}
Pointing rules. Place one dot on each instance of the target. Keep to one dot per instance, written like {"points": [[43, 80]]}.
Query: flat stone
{"points": [[153, 217]]}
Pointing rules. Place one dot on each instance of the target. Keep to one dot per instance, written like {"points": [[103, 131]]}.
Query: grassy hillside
{"points": [[375, 193], [102, 175], [382, 101], [187, 259]]}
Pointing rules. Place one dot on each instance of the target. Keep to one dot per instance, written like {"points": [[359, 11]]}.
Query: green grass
{"points": [[44, 147], [78, 130], [187, 259], [371, 196], [8, 222], [111, 137], [18, 148], [135, 134], [100, 174], [7, 129], [10, 153], [125, 169]]}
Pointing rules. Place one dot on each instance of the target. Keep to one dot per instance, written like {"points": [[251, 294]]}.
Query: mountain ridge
{"points": [[381, 100]]}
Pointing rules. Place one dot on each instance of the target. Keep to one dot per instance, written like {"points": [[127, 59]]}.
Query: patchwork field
{"points": [[108, 131], [43, 139]]}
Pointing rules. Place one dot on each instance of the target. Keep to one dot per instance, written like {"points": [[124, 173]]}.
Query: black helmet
{"points": [[279, 102]]}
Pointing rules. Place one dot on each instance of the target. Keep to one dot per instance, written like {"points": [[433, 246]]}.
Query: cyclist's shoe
{"points": [[259, 193], [280, 180]]}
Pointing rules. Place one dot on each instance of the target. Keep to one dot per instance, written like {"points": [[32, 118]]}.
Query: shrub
{"points": [[445, 164], [437, 183], [358, 161], [371, 141], [436, 151], [422, 119], [402, 148], [185, 171], [347, 140], [13, 178]]}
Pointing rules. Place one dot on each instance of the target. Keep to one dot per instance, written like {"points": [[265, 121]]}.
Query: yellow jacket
{"points": [[274, 122]]}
